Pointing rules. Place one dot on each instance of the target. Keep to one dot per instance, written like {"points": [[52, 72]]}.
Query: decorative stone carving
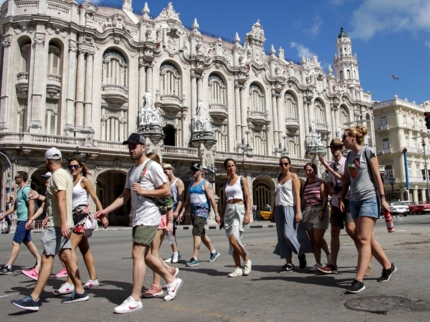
{"points": [[339, 132], [39, 40], [202, 120], [168, 13], [314, 137], [7, 41], [147, 113]]}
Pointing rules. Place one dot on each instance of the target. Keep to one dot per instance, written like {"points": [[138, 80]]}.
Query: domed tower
{"points": [[345, 63]]}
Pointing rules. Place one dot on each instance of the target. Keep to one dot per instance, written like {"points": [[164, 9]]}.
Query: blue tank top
{"points": [[198, 200]]}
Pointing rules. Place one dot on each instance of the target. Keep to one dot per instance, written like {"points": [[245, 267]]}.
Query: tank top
{"points": [[198, 200], [80, 195], [174, 193], [284, 194], [234, 191], [312, 194]]}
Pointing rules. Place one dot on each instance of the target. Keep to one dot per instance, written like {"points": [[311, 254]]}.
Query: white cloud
{"points": [[387, 16], [337, 2], [314, 30], [301, 50], [427, 43]]}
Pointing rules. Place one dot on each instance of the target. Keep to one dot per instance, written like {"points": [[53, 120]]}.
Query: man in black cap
{"points": [[199, 196], [338, 219], [145, 182]]}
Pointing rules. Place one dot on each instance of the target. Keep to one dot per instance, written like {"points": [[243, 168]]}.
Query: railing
{"points": [[54, 78], [385, 151], [382, 127], [414, 150], [291, 120], [218, 107], [169, 97], [179, 150], [22, 76], [115, 88], [416, 179], [111, 145], [257, 113]]}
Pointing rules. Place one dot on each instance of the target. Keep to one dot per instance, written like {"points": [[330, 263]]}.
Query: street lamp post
{"points": [[392, 182], [425, 169]]}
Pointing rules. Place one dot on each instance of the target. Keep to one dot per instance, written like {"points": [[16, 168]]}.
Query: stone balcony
{"points": [[53, 85], [257, 118], [22, 85], [115, 93], [218, 112], [382, 127], [171, 104], [292, 124], [321, 128]]}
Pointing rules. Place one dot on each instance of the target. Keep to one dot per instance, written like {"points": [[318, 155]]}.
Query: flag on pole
{"points": [[394, 77]]}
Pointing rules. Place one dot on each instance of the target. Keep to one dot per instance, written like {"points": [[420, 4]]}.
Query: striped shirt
{"points": [[312, 194]]}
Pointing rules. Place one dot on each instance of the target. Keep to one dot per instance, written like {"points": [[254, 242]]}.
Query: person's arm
{"points": [[9, 211], [210, 195], [247, 196], [296, 193], [90, 189], [34, 195], [118, 202], [181, 193], [159, 192], [62, 208], [184, 208], [39, 211], [374, 167], [326, 165], [324, 196]]}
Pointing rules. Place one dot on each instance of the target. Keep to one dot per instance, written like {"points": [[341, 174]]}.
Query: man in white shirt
{"points": [[145, 182]]}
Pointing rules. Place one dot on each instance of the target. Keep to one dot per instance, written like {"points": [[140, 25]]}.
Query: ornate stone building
{"points": [[84, 77]]}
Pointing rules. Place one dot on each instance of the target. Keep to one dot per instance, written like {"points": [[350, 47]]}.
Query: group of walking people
{"points": [[301, 213]]}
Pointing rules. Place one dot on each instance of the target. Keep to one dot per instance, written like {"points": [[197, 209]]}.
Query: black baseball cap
{"points": [[196, 167], [135, 138]]}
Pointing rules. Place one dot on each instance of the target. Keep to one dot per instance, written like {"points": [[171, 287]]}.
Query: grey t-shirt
{"points": [[361, 186]]}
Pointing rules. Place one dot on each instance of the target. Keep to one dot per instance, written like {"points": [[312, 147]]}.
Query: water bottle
{"points": [[171, 238], [389, 222]]}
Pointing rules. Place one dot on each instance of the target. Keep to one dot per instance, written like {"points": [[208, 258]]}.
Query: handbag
{"points": [[89, 225]]}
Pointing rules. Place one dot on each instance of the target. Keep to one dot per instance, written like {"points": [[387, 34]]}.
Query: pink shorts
{"points": [[163, 223]]}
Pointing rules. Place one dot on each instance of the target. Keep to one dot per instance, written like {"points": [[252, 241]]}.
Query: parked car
{"points": [[419, 209], [399, 208]]}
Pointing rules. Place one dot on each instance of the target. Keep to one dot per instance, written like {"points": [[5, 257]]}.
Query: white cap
{"points": [[46, 175], [53, 154]]}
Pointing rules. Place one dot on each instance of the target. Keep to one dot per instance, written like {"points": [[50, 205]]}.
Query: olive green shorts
{"points": [[144, 235]]}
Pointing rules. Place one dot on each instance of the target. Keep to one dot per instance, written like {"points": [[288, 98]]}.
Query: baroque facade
{"points": [[82, 78], [402, 141]]}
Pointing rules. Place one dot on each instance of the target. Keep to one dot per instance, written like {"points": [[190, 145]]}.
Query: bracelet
{"points": [[216, 215], [382, 196], [170, 219]]}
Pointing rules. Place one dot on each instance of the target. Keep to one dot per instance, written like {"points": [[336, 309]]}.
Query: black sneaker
{"points": [[214, 256], [356, 287], [288, 267], [386, 273], [76, 297], [5, 270], [27, 303], [302, 261]]}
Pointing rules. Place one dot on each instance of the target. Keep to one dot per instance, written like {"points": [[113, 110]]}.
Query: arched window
{"points": [[259, 144], [341, 75], [115, 68], [54, 59], [114, 127], [348, 74], [293, 148], [51, 117], [344, 115], [256, 98], [217, 90], [221, 144], [170, 132], [261, 195], [290, 105], [170, 80], [25, 56], [320, 116]]}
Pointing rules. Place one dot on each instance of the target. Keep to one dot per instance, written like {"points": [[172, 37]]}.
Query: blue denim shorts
{"points": [[22, 235], [364, 208]]}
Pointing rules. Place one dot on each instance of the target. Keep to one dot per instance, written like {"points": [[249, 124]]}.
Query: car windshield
{"points": [[397, 203]]}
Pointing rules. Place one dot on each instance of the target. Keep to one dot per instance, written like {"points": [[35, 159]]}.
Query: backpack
{"points": [[243, 190]]}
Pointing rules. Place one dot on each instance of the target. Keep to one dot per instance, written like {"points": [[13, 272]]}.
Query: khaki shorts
{"points": [[310, 218], [53, 241], [144, 235], [199, 225]]}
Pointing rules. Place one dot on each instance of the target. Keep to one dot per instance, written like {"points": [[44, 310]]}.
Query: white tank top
{"points": [[80, 195], [234, 191], [284, 194], [174, 192]]}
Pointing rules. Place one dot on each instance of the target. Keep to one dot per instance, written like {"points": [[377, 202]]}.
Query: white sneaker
{"points": [[173, 288], [91, 284], [168, 260], [247, 267], [237, 272], [315, 268], [176, 257], [66, 288], [129, 305], [328, 258]]}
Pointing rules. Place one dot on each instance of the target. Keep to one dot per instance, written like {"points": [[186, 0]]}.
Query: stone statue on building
{"points": [[339, 132], [202, 121], [147, 113], [314, 137]]}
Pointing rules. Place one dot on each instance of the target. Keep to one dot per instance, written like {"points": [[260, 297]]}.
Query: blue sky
{"points": [[390, 37]]}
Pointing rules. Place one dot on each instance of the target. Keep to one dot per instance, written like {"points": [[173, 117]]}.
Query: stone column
{"points": [[334, 124], [142, 76], [423, 194], [80, 89], [6, 82], [415, 195], [306, 116], [275, 120], [237, 88], [38, 82], [88, 104], [71, 87], [200, 88], [149, 75], [281, 118], [243, 111], [193, 103]]}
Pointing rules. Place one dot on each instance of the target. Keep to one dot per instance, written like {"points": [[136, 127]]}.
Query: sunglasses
{"points": [[343, 137], [74, 166], [283, 164], [18, 178]]}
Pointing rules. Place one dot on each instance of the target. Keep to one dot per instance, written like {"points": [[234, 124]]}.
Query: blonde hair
{"points": [[154, 157], [359, 132]]}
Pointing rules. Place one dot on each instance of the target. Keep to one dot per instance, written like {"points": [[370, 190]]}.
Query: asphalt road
{"points": [[209, 295]]}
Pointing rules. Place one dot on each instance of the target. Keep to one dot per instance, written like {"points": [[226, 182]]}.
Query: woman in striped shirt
{"points": [[315, 214]]}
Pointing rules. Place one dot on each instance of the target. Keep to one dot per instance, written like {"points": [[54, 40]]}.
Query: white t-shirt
{"points": [[145, 211]]}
